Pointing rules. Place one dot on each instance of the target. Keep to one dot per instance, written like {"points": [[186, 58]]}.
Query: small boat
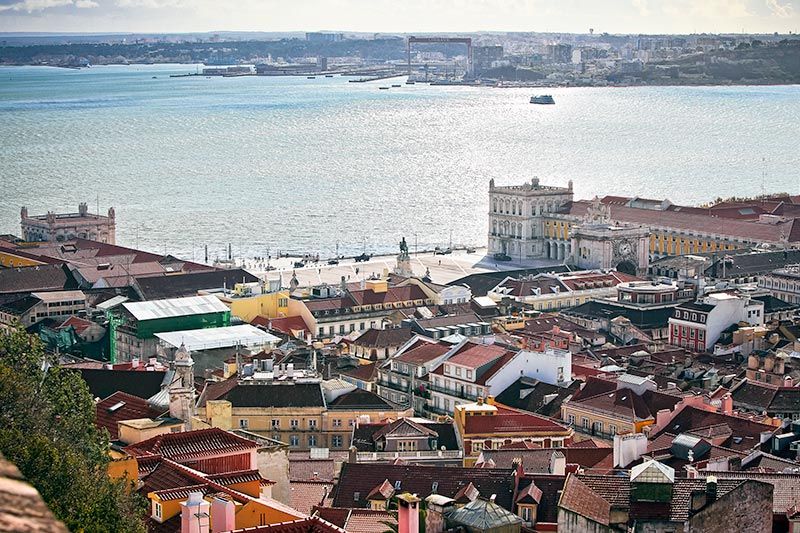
{"points": [[409, 82], [154, 77], [310, 77], [542, 99], [397, 85], [383, 88], [328, 75]]}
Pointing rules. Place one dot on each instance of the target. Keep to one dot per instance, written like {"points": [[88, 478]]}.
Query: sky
{"points": [[575, 16]]}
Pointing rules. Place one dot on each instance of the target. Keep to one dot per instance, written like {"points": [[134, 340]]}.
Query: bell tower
{"points": [[181, 391]]}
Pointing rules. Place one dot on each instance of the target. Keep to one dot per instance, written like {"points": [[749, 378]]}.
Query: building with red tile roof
{"points": [[208, 450], [376, 344], [357, 480], [292, 326], [405, 377], [650, 496], [554, 291], [488, 425], [607, 408], [122, 406]]}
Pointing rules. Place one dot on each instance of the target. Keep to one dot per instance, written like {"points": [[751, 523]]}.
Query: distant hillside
{"points": [[777, 63]]}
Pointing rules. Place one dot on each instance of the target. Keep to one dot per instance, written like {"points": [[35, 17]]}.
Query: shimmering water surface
{"points": [[296, 164]]}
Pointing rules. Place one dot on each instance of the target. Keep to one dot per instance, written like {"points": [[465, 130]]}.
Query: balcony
{"points": [[437, 410], [460, 393], [395, 386], [433, 455]]}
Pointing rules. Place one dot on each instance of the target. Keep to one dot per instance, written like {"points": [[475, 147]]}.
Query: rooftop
{"points": [[192, 444], [223, 337], [175, 307]]}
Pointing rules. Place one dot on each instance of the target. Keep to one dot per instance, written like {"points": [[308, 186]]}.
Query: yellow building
{"points": [[249, 300], [222, 501], [604, 408], [295, 413]]}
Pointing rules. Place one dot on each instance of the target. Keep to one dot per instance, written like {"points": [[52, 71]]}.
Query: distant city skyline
{"points": [[573, 16]]}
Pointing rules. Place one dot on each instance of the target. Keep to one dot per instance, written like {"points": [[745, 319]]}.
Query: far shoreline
{"points": [[519, 85]]}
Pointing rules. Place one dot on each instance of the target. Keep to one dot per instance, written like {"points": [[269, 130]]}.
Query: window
{"points": [[294, 440], [525, 512], [352, 327], [570, 419], [312, 424], [330, 330], [243, 423], [341, 329], [336, 441], [612, 429], [276, 423], [294, 423], [337, 422], [321, 331], [283, 302], [361, 326], [312, 440], [585, 423], [351, 422], [157, 511], [406, 445]]}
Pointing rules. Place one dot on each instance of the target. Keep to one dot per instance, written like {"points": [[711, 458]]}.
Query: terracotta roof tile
{"points": [[580, 499], [357, 479], [192, 444], [122, 406], [512, 422], [305, 495]]}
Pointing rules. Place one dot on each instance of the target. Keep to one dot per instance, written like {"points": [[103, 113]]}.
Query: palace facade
{"points": [[535, 221]]}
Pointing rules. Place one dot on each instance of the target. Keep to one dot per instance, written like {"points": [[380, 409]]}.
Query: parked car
{"points": [[442, 251], [333, 261], [299, 264], [500, 256], [470, 250], [361, 258]]}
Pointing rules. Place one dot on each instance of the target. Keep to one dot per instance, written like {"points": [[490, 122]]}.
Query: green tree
{"points": [[47, 429]]}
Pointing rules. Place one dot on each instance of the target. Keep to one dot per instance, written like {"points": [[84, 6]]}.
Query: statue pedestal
{"points": [[403, 267]]}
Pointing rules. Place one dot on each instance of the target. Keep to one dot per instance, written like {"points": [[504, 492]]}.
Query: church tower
{"points": [[181, 391]]}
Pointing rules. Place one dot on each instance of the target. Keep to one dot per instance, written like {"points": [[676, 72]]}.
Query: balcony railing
{"points": [[437, 410], [463, 394], [363, 457], [395, 386]]}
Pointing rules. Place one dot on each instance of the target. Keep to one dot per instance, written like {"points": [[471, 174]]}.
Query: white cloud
{"points": [[783, 11], [34, 5], [86, 4]]}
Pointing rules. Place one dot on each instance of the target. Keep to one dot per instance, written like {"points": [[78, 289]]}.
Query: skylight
{"points": [[116, 407]]}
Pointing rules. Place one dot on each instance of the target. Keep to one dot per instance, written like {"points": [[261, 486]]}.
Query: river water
{"points": [[294, 164]]}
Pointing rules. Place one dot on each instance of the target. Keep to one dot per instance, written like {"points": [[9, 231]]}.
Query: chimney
{"points": [[711, 488], [408, 513], [194, 514], [223, 513], [558, 463], [727, 404]]}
